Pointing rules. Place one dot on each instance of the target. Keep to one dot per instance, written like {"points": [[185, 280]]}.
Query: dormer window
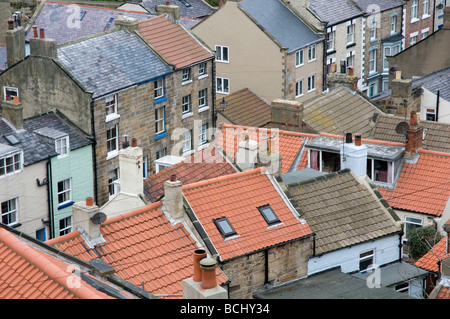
{"points": [[62, 145], [224, 227], [269, 215]]}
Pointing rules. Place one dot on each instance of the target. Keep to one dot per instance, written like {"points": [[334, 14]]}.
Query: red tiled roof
{"points": [[422, 187], [29, 273], [287, 143], [143, 247], [175, 43], [429, 261], [201, 165], [237, 197], [444, 293]]}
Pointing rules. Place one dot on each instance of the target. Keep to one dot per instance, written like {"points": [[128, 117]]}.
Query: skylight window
{"points": [[187, 4], [12, 140], [224, 227], [269, 215]]}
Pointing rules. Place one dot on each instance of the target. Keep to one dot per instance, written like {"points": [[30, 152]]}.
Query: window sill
{"points": [[373, 40], [187, 153], [186, 82], [299, 65], [203, 76], [160, 100], [203, 109], [349, 45], [222, 92], [426, 16], [63, 156], [414, 20], [186, 115], [66, 204], [205, 145], [112, 117], [161, 135], [221, 61], [332, 51], [112, 154]]}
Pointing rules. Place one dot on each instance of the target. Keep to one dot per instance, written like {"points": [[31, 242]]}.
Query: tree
{"points": [[421, 240]]}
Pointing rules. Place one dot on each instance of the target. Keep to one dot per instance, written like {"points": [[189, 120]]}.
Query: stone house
{"points": [[382, 37], [290, 59]]}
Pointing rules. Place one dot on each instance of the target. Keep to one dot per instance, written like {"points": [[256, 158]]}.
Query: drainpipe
{"points": [[400, 245], [213, 94], [437, 105], [266, 266], [51, 216], [94, 151]]}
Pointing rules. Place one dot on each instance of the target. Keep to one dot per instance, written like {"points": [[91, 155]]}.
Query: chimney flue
{"points": [[89, 201], [209, 280], [133, 142], [41, 33], [348, 138], [358, 139], [199, 254], [35, 32]]}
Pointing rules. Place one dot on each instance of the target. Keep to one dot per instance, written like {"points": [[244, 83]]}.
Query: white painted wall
{"points": [[428, 100]]}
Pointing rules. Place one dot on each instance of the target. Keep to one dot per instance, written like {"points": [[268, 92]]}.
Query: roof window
{"points": [[269, 215], [187, 4], [224, 227], [12, 140]]}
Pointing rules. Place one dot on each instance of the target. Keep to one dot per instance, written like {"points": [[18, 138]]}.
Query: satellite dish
{"points": [[402, 127], [98, 218]]}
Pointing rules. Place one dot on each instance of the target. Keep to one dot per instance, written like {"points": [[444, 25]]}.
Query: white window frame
{"points": [[412, 221], [351, 34], [373, 30], [394, 24], [186, 103], [426, 9], [425, 33], [203, 100], [186, 76], [10, 88], [202, 72], [67, 190], [111, 107], [396, 49], [414, 10], [10, 211], [432, 112], [13, 162], [413, 38], [62, 146], [365, 258], [203, 134], [312, 53], [385, 55], [299, 88], [350, 59], [373, 60], [221, 56], [311, 83], [161, 119], [331, 37], [112, 141], [158, 88], [299, 58], [187, 142], [114, 182], [224, 89], [67, 225]]}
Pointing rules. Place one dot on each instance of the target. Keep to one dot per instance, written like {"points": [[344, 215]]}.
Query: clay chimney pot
{"points": [[41, 33], [133, 142], [35, 32], [89, 201], [199, 254], [209, 280]]}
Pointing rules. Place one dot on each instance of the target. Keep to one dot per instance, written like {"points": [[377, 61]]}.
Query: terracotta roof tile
{"points": [[287, 143], [237, 197], [422, 187], [429, 261], [143, 246], [174, 42]]}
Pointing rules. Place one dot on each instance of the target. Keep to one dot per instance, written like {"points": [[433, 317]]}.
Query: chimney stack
{"points": [[268, 155], [42, 46], [173, 198], [287, 115], [246, 153], [15, 43], [204, 283], [354, 155], [82, 213], [128, 23], [12, 110], [446, 24], [131, 169], [414, 136], [171, 10]]}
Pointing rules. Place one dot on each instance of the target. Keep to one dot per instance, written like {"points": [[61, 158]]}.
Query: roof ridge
{"points": [[431, 152], [131, 213], [366, 140], [321, 177], [223, 178], [40, 260], [284, 132], [63, 238]]}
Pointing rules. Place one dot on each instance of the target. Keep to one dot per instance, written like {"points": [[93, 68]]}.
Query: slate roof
{"points": [[32, 271], [340, 110], [292, 33], [383, 5], [193, 9], [245, 107], [336, 11], [34, 146], [422, 187], [59, 21], [199, 166], [174, 42], [343, 212], [288, 144], [111, 61], [437, 137], [331, 284], [143, 247], [237, 197]]}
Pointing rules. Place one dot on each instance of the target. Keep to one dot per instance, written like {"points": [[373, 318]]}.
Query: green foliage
{"points": [[214, 3], [421, 239]]}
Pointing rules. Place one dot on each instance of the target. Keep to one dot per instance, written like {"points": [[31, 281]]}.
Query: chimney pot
{"points": [[358, 139], [199, 254], [10, 24], [133, 142], [413, 119], [350, 70], [173, 178], [35, 32], [89, 201], [41, 33], [167, 3], [209, 280], [348, 138], [15, 99]]}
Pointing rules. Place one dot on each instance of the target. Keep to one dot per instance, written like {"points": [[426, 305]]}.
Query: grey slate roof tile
{"points": [[335, 11], [286, 27], [383, 5], [112, 61], [194, 9]]}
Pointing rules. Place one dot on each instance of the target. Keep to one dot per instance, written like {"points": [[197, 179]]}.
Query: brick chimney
{"points": [[414, 135], [287, 115], [206, 287], [12, 110], [131, 169], [15, 43], [82, 218], [173, 198], [354, 155], [128, 23], [42, 46], [172, 10]]}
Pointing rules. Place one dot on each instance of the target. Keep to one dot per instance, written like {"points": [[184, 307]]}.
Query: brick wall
{"points": [[247, 273], [420, 25]]}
